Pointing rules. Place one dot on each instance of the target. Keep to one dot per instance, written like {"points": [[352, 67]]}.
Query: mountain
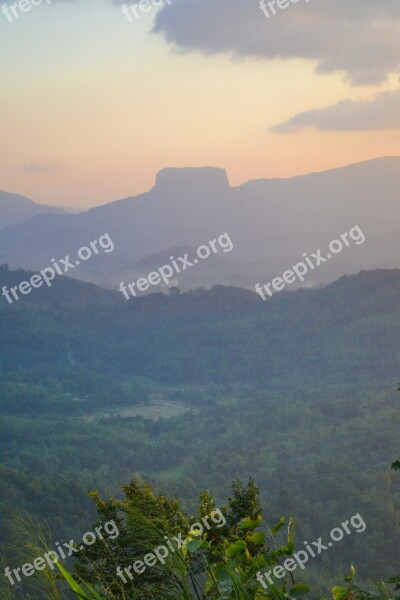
{"points": [[214, 270], [271, 222], [345, 332], [287, 391], [15, 209], [64, 291]]}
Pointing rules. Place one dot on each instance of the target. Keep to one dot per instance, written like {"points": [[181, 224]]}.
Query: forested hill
{"points": [[346, 332], [81, 369], [63, 290]]}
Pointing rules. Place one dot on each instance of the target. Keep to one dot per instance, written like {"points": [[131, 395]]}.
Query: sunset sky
{"points": [[92, 105]]}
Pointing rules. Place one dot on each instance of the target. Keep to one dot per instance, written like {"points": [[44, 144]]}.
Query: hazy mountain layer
{"points": [[271, 224]]}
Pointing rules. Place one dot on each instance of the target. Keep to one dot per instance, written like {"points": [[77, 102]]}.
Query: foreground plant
{"points": [[225, 562]]}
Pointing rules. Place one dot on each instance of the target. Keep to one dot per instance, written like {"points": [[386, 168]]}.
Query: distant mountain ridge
{"points": [[16, 209], [64, 291], [345, 332], [271, 222]]}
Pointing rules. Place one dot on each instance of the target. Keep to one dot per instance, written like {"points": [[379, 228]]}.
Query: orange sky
{"points": [[86, 122]]}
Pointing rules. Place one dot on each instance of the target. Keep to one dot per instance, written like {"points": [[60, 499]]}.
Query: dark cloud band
{"points": [[359, 37]]}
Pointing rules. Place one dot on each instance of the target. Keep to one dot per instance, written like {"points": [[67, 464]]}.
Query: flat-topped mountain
{"points": [[271, 222], [201, 178]]}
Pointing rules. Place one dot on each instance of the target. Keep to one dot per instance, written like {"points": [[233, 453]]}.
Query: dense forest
{"points": [[299, 394]]}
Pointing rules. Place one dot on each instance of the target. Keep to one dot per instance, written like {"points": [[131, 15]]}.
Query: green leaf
{"points": [[350, 577], [339, 592], [236, 548], [291, 532], [247, 523], [260, 561], [75, 587], [258, 537], [278, 526], [221, 573], [194, 545], [299, 590]]}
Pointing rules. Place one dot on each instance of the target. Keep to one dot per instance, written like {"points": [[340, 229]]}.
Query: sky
{"points": [[93, 105]]}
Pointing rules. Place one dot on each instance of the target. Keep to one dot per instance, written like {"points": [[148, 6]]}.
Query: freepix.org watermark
{"points": [[143, 6], [268, 6], [60, 267], [161, 553], [299, 271], [177, 265], [12, 11], [62, 551], [301, 557]]}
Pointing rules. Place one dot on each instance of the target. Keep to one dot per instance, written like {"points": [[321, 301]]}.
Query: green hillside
{"points": [[299, 393]]}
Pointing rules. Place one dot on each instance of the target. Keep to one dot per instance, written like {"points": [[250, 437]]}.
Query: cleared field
{"points": [[167, 474], [147, 411]]}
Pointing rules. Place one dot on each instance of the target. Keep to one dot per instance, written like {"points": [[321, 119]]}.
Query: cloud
{"points": [[381, 112], [359, 37], [34, 166]]}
